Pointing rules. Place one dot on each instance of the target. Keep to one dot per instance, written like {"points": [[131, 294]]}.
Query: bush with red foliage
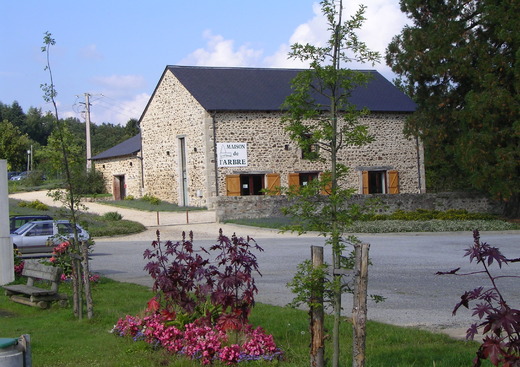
{"points": [[185, 278], [499, 323]]}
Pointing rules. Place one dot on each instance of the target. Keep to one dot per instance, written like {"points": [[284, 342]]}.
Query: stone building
{"points": [[209, 132], [122, 168]]}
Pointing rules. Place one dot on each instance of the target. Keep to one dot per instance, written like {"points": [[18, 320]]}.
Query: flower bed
{"points": [[199, 341]]}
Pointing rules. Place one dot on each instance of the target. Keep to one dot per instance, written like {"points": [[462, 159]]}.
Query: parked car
{"points": [[20, 176], [42, 236], [16, 221], [12, 174]]}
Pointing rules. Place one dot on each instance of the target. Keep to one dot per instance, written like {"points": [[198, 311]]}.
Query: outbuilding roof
{"points": [[128, 147], [262, 89]]}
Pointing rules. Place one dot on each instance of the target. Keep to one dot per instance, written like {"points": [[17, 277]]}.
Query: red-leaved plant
{"points": [[185, 278], [499, 322]]}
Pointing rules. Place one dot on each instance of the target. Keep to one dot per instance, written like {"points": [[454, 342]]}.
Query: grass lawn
{"points": [[58, 339], [140, 204]]}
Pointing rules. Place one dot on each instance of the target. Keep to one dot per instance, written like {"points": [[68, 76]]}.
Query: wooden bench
{"points": [[30, 295]]}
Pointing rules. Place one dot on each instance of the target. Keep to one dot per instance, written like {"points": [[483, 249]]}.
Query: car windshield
{"points": [[23, 228]]}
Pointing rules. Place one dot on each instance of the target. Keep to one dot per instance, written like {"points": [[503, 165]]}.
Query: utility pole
{"points": [[87, 127]]}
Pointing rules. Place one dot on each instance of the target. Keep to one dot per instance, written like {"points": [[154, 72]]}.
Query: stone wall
{"points": [[173, 114], [239, 207], [127, 166], [270, 150]]}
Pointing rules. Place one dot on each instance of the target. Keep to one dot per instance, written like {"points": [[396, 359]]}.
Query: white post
{"points": [[6, 247]]}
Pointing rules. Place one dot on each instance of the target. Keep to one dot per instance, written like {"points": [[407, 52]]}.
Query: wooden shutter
{"points": [[294, 182], [393, 182], [273, 184], [364, 180], [327, 190], [233, 185]]}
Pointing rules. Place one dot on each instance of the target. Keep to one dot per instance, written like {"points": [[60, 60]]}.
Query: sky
{"points": [[116, 50]]}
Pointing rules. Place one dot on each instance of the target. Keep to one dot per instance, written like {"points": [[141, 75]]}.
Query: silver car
{"points": [[43, 235]]}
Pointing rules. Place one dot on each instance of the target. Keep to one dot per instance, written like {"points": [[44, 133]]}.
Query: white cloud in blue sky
{"points": [[117, 50]]}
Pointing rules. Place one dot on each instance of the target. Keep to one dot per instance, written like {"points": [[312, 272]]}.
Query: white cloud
{"points": [[117, 111], [384, 20], [91, 52], [120, 82], [222, 52]]}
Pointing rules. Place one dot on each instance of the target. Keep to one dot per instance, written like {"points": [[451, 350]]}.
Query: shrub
{"points": [[112, 216], [129, 197], [18, 262], [499, 323], [34, 178], [35, 204], [89, 182], [189, 283], [151, 199], [424, 215]]}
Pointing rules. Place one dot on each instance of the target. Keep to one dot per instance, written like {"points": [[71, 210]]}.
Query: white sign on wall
{"points": [[232, 154]]}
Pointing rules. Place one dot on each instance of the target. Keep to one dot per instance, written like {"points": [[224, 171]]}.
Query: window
{"points": [[41, 229], [245, 184], [380, 182], [297, 180], [309, 148]]}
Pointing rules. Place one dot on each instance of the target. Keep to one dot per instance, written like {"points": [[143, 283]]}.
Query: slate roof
{"points": [[128, 147], [261, 89]]}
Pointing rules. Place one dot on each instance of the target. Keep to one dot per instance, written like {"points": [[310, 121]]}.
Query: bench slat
{"points": [[35, 269], [32, 291]]}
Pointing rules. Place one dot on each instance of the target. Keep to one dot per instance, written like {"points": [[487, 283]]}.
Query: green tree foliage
{"points": [[13, 146], [319, 114], [132, 128], [13, 113], [460, 61], [51, 155], [104, 136], [37, 125]]}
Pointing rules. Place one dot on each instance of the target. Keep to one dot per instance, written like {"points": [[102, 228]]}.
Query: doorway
{"points": [[119, 187], [183, 172]]}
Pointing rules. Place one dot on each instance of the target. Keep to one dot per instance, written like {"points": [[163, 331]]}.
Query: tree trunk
{"points": [[359, 310], [86, 280], [317, 313]]}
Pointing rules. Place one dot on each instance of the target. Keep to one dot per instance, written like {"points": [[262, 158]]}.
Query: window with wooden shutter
{"points": [[233, 185], [393, 182], [294, 181], [273, 184], [327, 190], [364, 182]]}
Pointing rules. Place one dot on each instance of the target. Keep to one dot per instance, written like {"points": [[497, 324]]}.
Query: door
{"points": [[36, 238], [119, 187], [183, 173]]}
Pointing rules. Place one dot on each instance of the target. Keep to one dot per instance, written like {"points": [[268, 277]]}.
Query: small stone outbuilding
{"points": [[122, 168], [215, 131]]}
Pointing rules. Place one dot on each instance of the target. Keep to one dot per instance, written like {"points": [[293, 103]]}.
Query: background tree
{"points": [[460, 61], [51, 155], [132, 128], [13, 113], [13, 146], [37, 125], [320, 114]]}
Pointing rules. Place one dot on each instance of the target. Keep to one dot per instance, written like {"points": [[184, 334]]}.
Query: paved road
{"points": [[403, 271], [403, 264]]}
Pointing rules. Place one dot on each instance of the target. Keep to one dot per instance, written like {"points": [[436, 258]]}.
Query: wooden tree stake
{"points": [[359, 310]]}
